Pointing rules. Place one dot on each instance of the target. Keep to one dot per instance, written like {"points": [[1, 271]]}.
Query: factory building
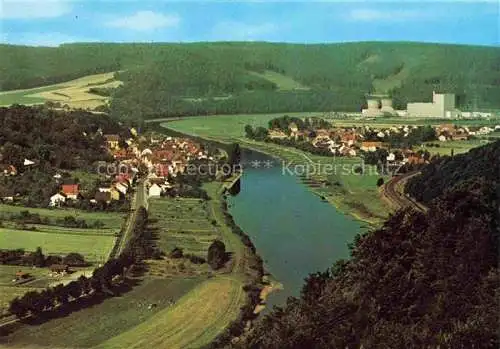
{"points": [[378, 107], [442, 106]]}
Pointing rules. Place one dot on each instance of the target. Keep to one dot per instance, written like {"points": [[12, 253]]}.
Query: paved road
{"points": [[398, 199], [139, 199]]}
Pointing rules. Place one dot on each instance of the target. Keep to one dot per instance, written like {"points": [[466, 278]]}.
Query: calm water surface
{"points": [[294, 232]]}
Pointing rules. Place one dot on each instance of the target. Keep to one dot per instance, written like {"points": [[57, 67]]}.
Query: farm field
{"points": [[105, 320], [109, 219], [74, 93], [204, 306], [222, 126], [183, 223], [195, 320], [93, 247]]}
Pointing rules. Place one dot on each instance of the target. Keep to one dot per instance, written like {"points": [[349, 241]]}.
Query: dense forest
{"points": [[221, 78], [54, 142], [422, 280], [65, 140], [442, 173]]}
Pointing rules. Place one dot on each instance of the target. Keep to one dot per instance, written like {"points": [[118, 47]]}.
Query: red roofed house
{"points": [[70, 190], [161, 170], [348, 137], [122, 154], [123, 178]]}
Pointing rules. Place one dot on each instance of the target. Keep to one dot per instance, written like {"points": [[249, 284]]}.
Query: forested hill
{"points": [[208, 78], [444, 173], [423, 280]]}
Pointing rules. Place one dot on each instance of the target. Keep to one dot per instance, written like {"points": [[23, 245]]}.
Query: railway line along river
{"points": [[293, 231]]}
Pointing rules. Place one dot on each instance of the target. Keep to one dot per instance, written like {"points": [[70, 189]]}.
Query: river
{"points": [[293, 231]]}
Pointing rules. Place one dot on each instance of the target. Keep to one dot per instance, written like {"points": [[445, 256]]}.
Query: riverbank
{"points": [[301, 235], [350, 193]]}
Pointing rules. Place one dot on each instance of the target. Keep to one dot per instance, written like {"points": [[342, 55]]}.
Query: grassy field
{"points": [[205, 302], [104, 320], [183, 223], [94, 244], [195, 320], [8, 293], [7, 273], [74, 93], [110, 220], [231, 126], [284, 83], [224, 126], [93, 247], [458, 147]]}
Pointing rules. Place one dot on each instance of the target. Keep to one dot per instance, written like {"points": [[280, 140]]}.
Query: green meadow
{"points": [[93, 247]]}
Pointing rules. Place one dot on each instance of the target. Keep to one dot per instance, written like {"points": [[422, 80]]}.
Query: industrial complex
{"points": [[442, 106]]}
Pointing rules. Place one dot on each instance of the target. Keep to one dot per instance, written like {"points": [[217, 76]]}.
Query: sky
{"points": [[52, 22]]}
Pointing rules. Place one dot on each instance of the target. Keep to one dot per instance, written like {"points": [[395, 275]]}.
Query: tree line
{"points": [[139, 247], [38, 259], [421, 280]]}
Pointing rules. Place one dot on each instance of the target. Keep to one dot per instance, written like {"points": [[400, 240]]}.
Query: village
{"points": [[75, 226], [157, 158], [403, 144]]}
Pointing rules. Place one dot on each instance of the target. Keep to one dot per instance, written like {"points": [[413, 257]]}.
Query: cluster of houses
{"points": [[167, 157], [161, 157], [115, 191], [350, 141], [449, 132]]}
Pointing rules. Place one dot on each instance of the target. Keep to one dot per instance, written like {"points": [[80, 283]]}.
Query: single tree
{"points": [[216, 256], [249, 131], [38, 257], [74, 259], [380, 182], [18, 308]]}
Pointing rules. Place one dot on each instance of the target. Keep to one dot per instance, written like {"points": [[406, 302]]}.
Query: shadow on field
{"points": [[82, 303]]}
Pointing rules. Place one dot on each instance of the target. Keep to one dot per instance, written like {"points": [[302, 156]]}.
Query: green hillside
{"points": [[238, 77]]}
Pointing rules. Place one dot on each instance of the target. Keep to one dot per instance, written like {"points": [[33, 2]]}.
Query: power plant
{"points": [[378, 106], [442, 106]]}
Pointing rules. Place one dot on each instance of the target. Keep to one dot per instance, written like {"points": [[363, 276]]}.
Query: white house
{"points": [[442, 138], [57, 200], [28, 162], [154, 190], [391, 157], [122, 188]]}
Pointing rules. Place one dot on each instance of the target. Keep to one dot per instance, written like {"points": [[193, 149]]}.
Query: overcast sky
{"points": [[51, 22]]}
